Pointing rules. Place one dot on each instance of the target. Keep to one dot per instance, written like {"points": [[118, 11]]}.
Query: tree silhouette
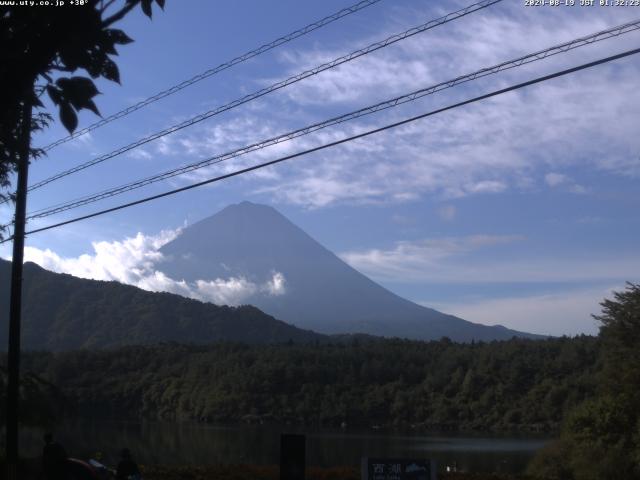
{"points": [[42, 48], [620, 333], [601, 438]]}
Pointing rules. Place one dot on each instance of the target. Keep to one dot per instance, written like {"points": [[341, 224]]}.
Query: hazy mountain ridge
{"points": [[321, 292], [62, 312]]}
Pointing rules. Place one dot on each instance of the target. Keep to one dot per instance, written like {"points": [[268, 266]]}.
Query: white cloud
{"points": [[419, 260], [561, 313], [499, 145], [231, 291], [476, 150], [490, 147], [578, 189], [134, 261], [139, 154], [495, 35], [360, 78], [554, 179], [451, 260], [166, 146], [84, 142], [276, 286], [126, 261], [156, 281], [447, 212]]}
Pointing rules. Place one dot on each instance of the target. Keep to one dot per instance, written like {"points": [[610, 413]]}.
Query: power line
{"points": [[339, 142], [526, 59], [223, 66], [276, 86]]}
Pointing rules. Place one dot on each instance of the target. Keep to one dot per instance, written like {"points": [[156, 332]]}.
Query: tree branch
{"points": [[107, 5]]}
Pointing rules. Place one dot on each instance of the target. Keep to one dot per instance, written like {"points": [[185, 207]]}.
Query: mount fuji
{"points": [[289, 275]]}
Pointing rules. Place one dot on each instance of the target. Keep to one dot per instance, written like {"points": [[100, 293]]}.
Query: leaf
{"points": [[86, 86], [74, 57], [55, 94], [68, 117], [98, 57], [146, 7], [107, 45], [94, 69], [110, 71], [37, 153], [70, 59], [160, 3], [40, 121], [78, 91], [82, 84], [35, 100], [118, 36], [90, 105]]}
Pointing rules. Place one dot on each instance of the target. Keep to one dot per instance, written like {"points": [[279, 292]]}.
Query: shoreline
{"points": [[271, 472], [31, 469], [549, 432]]}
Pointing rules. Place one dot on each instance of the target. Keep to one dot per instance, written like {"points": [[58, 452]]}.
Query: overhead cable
{"points": [[276, 86], [339, 142], [526, 59], [212, 71]]}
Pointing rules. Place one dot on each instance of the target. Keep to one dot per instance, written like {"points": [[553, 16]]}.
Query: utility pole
{"points": [[15, 307]]}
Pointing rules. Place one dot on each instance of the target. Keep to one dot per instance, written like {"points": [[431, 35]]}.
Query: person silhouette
{"points": [[127, 468], [54, 459]]}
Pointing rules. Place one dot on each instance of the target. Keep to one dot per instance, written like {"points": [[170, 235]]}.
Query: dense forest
{"points": [[518, 384]]}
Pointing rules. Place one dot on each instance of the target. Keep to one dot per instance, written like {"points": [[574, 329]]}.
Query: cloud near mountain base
{"points": [[133, 261]]}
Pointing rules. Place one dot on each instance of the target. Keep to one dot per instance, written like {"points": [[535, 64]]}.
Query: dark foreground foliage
{"points": [[32, 470], [43, 51], [513, 385], [601, 438]]}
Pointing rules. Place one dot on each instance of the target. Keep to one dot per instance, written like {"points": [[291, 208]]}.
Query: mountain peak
{"points": [[248, 206], [252, 224], [253, 246], [244, 211]]}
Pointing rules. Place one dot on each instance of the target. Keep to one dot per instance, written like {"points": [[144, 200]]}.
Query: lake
{"points": [[201, 444]]}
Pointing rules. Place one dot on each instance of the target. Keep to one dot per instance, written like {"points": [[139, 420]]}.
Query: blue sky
{"points": [[520, 210]]}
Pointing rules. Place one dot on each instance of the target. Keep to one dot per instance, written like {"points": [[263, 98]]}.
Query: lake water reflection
{"points": [[197, 444]]}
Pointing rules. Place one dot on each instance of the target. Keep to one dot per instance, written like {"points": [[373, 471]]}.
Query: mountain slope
{"points": [[62, 312], [321, 292]]}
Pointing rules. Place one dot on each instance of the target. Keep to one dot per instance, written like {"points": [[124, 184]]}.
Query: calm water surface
{"points": [[196, 444]]}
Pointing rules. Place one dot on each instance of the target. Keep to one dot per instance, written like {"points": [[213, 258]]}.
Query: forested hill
{"points": [[62, 312], [517, 384]]}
